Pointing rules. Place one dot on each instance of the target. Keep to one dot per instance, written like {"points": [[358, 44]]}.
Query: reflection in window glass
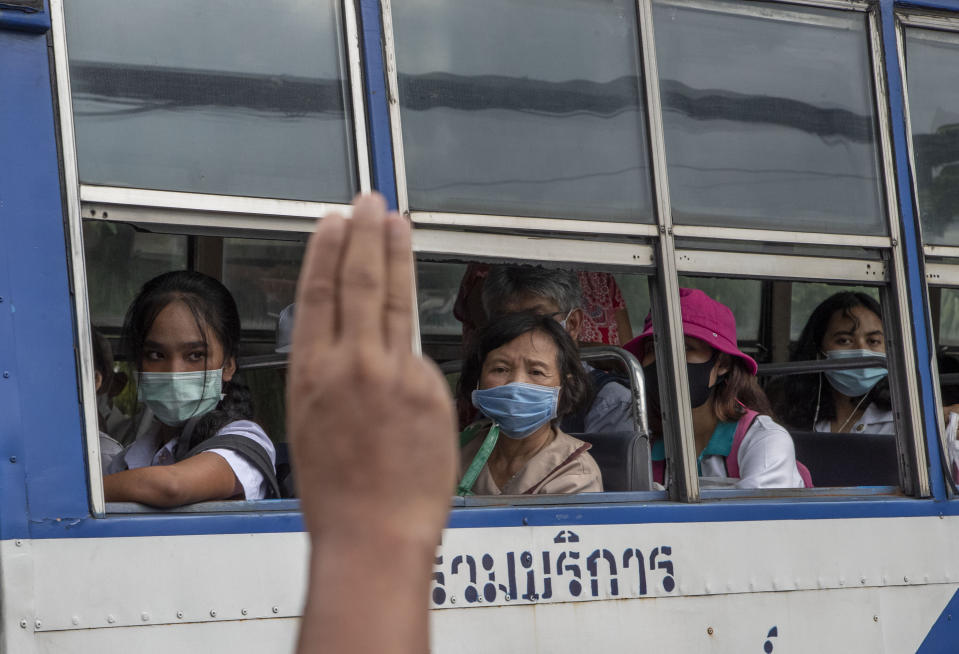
{"points": [[437, 285], [949, 317], [932, 70], [262, 276], [119, 259], [211, 98], [742, 296], [769, 117], [806, 297], [523, 108]]}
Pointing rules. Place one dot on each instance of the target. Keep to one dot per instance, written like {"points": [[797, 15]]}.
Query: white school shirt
{"points": [[767, 459], [145, 451], [873, 421]]}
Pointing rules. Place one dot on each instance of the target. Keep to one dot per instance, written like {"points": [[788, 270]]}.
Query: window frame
{"points": [[672, 260], [940, 262], [187, 212]]}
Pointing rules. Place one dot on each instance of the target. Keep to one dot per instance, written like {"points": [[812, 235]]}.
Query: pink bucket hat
{"points": [[704, 318]]}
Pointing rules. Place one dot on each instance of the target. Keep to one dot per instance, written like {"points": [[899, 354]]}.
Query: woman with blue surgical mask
{"points": [[846, 325], [522, 373], [182, 331]]}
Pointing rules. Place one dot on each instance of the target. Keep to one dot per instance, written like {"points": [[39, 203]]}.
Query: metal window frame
{"points": [[168, 208], [942, 274], [85, 363], [905, 393]]}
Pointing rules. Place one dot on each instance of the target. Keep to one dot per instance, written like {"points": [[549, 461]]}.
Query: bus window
{"points": [[932, 70], [119, 259], [522, 109], [459, 301], [207, 98], [260, 274], [768, 113], [932, 75]]}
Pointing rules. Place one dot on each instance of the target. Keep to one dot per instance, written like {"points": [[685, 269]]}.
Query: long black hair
{"points": [[799, 395], [574, 385], [213, 308]]}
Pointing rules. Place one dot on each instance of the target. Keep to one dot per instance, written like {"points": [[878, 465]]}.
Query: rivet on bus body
{"points": [[842, 581], [145, 616], [276, 609], [19, 543], [111, 619], [875, 618], [38, 623], [75, 620], [906, 579], [23, 624], [243, 611], [6, 374], [452, 599], [709, 630], [212, 613], [13, 459], [862, 581], [179, 614], [525, 521]]}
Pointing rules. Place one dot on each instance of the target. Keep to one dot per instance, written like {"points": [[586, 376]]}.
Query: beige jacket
{"points": [[563, 466]]}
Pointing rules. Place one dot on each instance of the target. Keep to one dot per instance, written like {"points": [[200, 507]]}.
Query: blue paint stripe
{"points": [[24, 20], [943, 637], [911, 246], [177, 524], [377, 101]]}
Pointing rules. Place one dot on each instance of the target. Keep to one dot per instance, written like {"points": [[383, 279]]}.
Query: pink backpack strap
{"points": [[732, 461], [659, 471]]}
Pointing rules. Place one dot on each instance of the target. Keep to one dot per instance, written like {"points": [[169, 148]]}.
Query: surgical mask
{"points": [[175, 397], [856, 382], [518, 408], [699, 388]]}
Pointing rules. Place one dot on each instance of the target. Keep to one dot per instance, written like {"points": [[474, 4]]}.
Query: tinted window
{"points": [[769, 118], [523, 108], [221, 97], [932, 70]]}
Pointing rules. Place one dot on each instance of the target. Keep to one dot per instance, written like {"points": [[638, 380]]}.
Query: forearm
{"points": [[154, 486], [368, 594]]}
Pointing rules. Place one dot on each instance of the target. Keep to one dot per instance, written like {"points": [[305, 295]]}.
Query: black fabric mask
{"points": [[699, 388]]}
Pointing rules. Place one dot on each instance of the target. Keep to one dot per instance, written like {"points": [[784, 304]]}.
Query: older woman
{"points": [[523, 374]]}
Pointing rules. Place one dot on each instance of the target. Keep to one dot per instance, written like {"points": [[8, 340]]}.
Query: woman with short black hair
{"points": [[523, 374]]}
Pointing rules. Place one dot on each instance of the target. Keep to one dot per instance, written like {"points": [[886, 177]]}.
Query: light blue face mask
{"points": [[859, 381], [518, 408], [175, 397]]}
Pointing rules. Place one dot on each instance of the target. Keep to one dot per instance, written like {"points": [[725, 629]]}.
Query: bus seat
{"points": [[623, 459], [848, 459]]}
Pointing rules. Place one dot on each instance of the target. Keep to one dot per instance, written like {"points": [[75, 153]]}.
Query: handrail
{"points": [[637, 383], [819, 365]]}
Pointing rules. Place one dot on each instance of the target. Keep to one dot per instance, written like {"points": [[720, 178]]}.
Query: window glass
{"points": [[119, 259], [932, 70], [211, 98], [768, 117], [806, 297], [525, 108], [262, 276]]}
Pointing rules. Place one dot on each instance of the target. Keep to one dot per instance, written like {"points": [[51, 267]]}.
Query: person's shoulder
{"points": [[248, 429], [765, 427]]}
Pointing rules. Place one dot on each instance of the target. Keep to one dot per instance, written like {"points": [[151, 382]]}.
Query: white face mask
{"points": [[175, 397], [563, 321]]}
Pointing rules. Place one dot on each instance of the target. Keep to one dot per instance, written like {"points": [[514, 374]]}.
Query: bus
{"points": [[768, 152]]}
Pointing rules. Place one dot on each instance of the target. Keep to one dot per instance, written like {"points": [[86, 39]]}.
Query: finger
{"points": [[399, 291], [315, 323], [363, 282]]}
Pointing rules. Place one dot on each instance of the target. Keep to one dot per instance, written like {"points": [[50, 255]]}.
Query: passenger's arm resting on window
{"points": [[201, 478]]}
